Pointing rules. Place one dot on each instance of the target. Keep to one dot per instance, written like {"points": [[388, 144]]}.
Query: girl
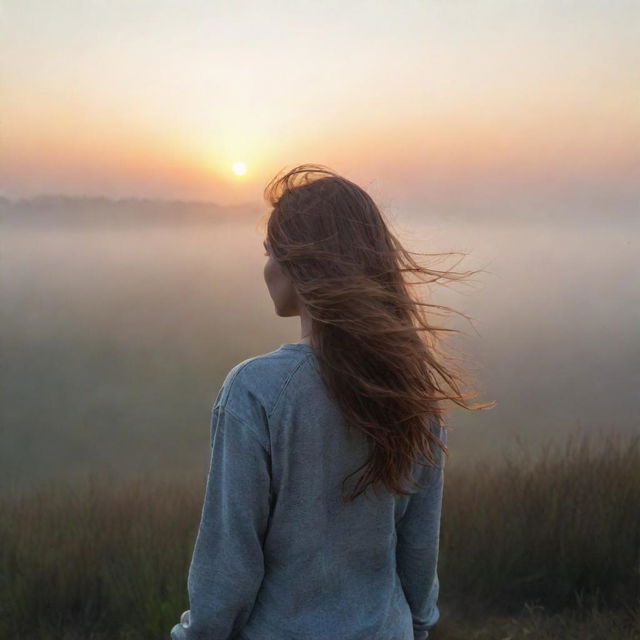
{"points": [[291, 543]]}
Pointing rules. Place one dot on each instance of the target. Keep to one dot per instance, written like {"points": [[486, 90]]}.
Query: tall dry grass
{"points": [[101, 557], [558, 530]]}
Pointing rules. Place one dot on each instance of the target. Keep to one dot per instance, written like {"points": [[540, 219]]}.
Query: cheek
{"points": [[272, 274], [278, 283], [268, 271]]}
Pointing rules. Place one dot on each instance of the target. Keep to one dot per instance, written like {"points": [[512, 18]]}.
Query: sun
{"points": [[239, 168]]}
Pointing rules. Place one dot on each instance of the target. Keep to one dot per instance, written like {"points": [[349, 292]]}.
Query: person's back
{"points": [[307, 566], [288, 547]]}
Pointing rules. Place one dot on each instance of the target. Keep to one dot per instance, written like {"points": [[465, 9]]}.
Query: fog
{"points": [[116, 337]]}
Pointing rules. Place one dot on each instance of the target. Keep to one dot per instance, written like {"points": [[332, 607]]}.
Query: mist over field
{"points": [[120, 320]]}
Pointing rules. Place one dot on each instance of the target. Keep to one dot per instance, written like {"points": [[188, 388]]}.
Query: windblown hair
{"points": [[380, 357]]}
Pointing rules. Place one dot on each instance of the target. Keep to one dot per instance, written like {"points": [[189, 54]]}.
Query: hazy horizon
{"points": [[116, 337]]}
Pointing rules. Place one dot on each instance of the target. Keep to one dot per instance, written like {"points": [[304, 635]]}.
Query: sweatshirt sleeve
{"points": [[418, 533], [227, 566]]}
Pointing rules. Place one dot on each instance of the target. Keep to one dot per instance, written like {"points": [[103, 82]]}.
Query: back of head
{"points": [[380, 357]]}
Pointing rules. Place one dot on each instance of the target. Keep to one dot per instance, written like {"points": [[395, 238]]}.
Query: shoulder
{"points": [[252, 387]]}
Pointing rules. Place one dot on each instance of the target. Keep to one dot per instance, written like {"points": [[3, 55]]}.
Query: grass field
{"points": [[543, 546]]}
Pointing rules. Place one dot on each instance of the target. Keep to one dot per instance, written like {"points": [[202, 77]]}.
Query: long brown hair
{"points": [[380, 357]]}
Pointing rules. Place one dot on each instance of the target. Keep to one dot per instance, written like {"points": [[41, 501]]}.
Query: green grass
{"points": [[540, 546]]}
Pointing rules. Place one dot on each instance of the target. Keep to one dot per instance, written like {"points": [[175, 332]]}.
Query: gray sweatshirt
{"points": [[277, 555]]}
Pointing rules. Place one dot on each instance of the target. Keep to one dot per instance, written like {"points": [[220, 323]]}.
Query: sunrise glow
{"points": [[442, 108]]}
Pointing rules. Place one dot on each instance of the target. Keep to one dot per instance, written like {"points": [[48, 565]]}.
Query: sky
{"points": [[437, 99]]}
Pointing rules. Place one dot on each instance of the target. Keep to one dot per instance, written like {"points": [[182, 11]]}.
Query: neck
{"points": [[305, 327]]}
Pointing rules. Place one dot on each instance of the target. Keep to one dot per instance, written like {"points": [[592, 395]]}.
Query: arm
{"points": [[228, 565], [418, 533]]}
